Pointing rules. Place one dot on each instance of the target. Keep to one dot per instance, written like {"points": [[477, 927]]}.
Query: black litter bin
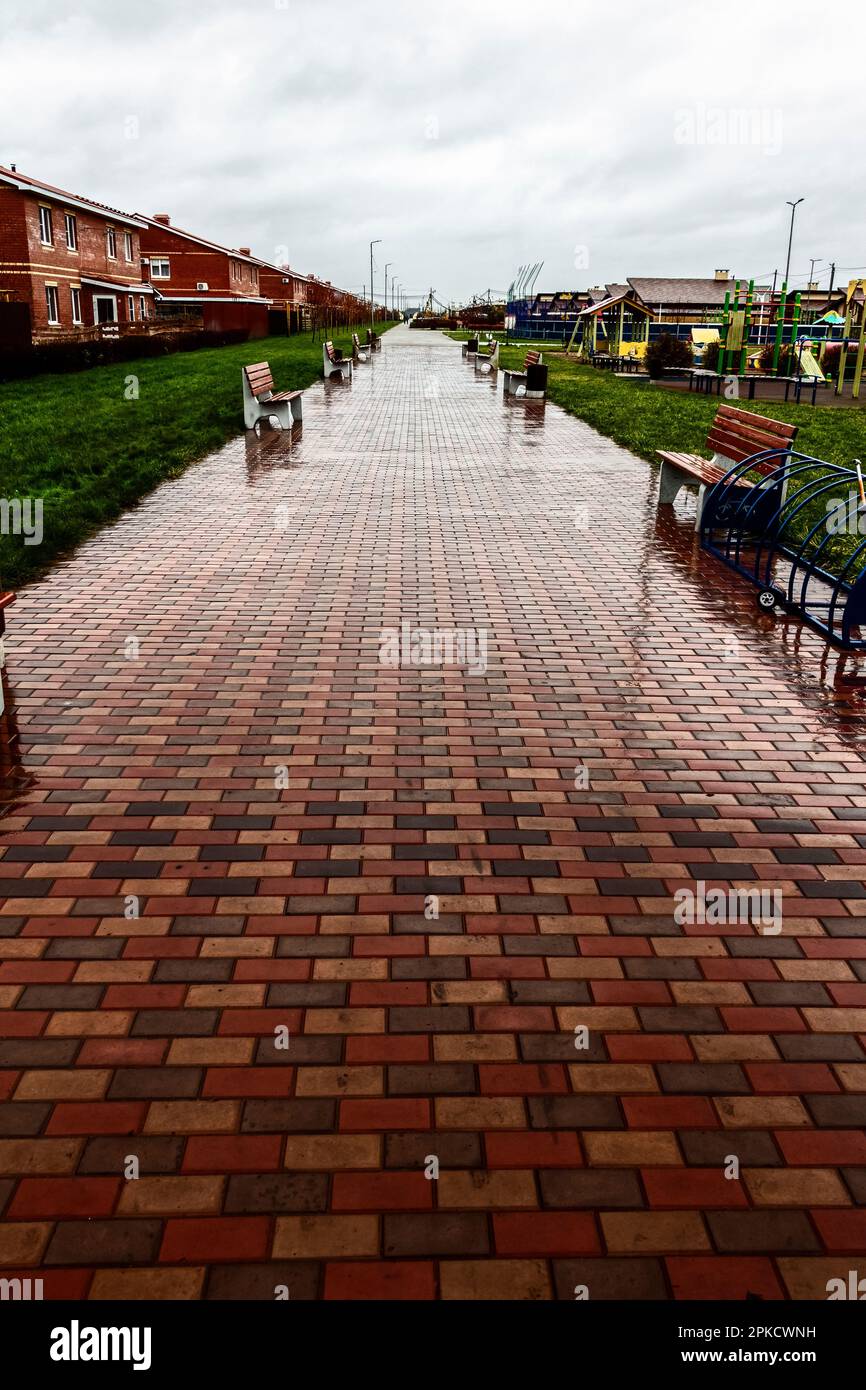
{"points": [[536, 377], [472, 345]]}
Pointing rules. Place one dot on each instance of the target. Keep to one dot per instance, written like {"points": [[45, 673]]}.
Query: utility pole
{"points": [[793, 207], [832, 276], [372, 320], [388, 265]]}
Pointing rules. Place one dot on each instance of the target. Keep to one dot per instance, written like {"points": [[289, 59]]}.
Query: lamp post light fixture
{"points": [[793, 207]]}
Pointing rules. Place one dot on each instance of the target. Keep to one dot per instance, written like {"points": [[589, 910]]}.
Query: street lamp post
{"points": [[372, 319], [388, 265], [793, 207]]}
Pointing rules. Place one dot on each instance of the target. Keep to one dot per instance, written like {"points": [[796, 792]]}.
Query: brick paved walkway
{"points": [[636, 730]]}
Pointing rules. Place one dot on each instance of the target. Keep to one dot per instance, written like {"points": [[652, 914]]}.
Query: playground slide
{"points": [[809, 364]]}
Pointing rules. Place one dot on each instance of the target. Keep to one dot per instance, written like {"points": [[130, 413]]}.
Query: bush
{"points": [[668, 351], [830, 360], [710, 358], [78, 357], [787, 360]]}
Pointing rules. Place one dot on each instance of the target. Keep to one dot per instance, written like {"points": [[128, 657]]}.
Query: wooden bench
{"points": [[735, 435], [359, 349], [513, 379], [261, 401], [333, 360], [489, 356], [374, 342], [5, 600]]}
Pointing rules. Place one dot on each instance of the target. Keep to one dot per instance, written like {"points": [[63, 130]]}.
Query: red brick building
{"points": [[72, 262], [287, 290], [211, 284]]}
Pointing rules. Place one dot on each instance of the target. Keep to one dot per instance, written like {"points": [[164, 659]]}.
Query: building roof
{"points": [[625, 296], [199, 240], [680, 291], [46, 190], [281, 269]]}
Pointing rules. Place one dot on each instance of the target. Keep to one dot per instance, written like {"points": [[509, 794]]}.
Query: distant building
{"points": [[287, 290], [204, 282], [71, 264]]}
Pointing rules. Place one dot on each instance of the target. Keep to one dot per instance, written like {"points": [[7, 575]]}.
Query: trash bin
{"points": [[472, 345], [536, 377]]}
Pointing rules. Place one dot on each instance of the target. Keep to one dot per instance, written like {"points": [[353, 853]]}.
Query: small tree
{"points": [[668, 351]]}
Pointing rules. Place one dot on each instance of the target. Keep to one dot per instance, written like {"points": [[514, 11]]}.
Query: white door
{"points": [[104, 308]]}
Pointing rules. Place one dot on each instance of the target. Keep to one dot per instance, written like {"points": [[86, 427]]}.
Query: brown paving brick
{"points": [[795, 1187], [610, 1278], [494, 1279], [23, 1242], [124, 1285], [118, 1241], [322, 1237], [436, 1233], [332, 1151], [256, 1281], [153, 1196], [639, 1232], [499, 1190]]}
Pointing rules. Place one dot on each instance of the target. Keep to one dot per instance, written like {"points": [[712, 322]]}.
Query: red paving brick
{"points": [[229, 842]]}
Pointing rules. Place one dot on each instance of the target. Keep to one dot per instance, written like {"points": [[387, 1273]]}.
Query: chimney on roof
{"points": [[162, 217], [244, 250], [723, 275], [14, 168]]}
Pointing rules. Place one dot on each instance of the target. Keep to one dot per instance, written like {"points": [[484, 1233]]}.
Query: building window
{"points": [[130, 307], [71, 231], [142, 307], [160, 269], [76, 304], [53, 303], [111, 236], [46, 233], [127, 246]]}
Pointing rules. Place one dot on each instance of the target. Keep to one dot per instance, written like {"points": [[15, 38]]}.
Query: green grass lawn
{"points": [[78, 443]]}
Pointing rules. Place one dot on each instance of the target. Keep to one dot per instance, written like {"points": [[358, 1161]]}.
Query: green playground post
{"points": [[780, 323], [726, 319], [843, 350], [747, 323], [858, 366], [795, 324]]}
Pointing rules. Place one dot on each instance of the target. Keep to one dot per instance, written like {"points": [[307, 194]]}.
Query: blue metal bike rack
{"points": [[777, 535]]}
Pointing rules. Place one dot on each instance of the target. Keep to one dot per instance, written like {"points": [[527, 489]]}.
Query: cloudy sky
{"points": [[603, 139]]}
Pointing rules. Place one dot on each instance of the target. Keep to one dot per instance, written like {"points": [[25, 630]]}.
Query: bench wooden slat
{"points": [[752, 421]]}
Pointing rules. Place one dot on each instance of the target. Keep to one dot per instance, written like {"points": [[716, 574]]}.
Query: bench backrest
{"points": [[531, 359], [329, 349], [259, 379], [356, 340], [737, 434]]}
